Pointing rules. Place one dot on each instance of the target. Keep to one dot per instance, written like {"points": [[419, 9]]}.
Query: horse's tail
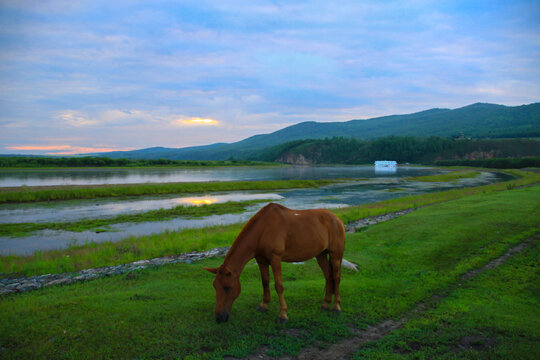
{"points": [[349, 265]]}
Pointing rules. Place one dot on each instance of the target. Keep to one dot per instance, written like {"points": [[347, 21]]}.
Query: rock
{"points": [[8, 286], [61, 281], [5, 291], [26, 286], [372, 220], [13, 285], [140, 262]]}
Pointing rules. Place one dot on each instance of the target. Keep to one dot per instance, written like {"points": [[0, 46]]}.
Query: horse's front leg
{"points": [[276, 269], [322, 259], [335, 261], [265, 278]]}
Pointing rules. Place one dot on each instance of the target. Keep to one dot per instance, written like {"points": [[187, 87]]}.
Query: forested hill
{"points": [[401, 149], [477, 121]]}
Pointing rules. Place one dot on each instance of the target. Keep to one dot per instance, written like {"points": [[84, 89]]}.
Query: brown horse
{"points": [[277, 234]]}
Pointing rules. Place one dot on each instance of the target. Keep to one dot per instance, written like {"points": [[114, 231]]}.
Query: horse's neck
{"points": [[240, 253]]}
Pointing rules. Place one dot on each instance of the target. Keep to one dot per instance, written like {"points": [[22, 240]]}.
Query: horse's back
{"points": [[301, 234]]}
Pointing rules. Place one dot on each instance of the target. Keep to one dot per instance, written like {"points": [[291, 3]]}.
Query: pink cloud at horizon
{"points": [[64, 149]]}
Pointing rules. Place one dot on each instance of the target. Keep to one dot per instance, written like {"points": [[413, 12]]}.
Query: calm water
{"points": [[374, 187], [132, 176]]}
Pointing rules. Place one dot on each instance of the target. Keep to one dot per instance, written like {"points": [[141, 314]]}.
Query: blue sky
{"points": [[82, 76]]}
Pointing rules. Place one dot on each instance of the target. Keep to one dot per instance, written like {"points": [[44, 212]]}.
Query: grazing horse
{"points": [[277, 234]]}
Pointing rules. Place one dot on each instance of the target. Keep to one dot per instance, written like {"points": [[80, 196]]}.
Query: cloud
{"points": [[63, 149], [195, 121], [109, 117], [136, 73], [75, 118]]}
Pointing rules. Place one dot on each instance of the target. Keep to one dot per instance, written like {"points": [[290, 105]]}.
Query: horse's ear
{"points": [[212, 270], [226, 271]]}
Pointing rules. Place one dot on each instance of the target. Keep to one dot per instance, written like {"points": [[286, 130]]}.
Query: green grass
{"points": [[352, 213], [493, 317], [231, 207], [78, 257], [89, 162], [91, 255], [447, 177], [167, 312], [55, 193]]}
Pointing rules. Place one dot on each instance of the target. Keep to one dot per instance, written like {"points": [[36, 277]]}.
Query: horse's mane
{"points": [[252, 223]]}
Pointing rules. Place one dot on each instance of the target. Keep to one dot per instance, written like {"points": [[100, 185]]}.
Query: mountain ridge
{"points": [[482, 120]]}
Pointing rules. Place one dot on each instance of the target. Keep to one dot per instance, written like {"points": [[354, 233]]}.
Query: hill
{"points": [[341, 150], [478, 120]]}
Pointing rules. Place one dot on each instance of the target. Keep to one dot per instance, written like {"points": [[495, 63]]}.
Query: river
{"points": [[364, 185], [95, 176]]}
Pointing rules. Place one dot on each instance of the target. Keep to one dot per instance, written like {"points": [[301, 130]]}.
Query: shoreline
{"points": [[77, 192]]}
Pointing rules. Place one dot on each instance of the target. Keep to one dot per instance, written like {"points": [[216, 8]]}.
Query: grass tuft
{"points": [[448, 177], [231, 207], [56, 193]]}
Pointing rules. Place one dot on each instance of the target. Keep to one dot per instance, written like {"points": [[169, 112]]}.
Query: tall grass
{"points": [[54, 193], [90, 255], [231, 207], [450, 176]]}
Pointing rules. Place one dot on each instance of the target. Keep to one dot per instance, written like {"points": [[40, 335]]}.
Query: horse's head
{"points": [[227, 287]]}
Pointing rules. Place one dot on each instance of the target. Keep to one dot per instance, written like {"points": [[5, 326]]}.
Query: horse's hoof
{"points": [[336, 311], [325, 308], [282, 320], [261, 309]]}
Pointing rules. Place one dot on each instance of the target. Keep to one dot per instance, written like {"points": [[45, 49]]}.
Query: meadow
{"points": [[450, 176], [89, 255], [168, 311], [48, 162], [71, 192]]}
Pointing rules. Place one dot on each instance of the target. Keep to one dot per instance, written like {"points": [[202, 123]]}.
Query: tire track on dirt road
{"points": [[346, 348]]}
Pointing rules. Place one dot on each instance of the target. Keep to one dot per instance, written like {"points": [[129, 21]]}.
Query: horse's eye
{"points": [[227, 289]]}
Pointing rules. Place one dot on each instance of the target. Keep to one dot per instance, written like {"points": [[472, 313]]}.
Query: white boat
{"points": [[385, 164]]}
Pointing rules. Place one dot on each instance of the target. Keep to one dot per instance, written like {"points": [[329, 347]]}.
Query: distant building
{"points": [[385, 164]]}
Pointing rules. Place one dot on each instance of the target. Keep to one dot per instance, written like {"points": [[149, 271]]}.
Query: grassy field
{"points": [[89, 162], [494, 317], [447, 177], [167, 312], [231, 207], [70, 192], [90, 255], [352, 213]]}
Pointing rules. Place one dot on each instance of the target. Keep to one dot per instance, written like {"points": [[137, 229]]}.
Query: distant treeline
{"points": [[90, 161], [340, 150], [509, 163]]}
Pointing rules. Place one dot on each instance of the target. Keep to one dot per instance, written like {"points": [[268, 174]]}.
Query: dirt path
{"points": [[345, 348]]}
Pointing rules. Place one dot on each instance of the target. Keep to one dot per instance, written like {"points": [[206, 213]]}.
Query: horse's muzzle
{"points": [[222, 317]]}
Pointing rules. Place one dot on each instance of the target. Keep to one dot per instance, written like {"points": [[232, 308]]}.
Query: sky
{"points": [[92, 76]]}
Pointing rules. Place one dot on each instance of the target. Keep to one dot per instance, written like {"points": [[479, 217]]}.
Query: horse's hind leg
{"points": [[335, 262], [265, 277], [322, 259], [276, 269]]}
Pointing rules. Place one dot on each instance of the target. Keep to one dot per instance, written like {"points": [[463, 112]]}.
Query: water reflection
{"points": [[379, 170], [132, 176], [74, 210], [199, 201]]}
